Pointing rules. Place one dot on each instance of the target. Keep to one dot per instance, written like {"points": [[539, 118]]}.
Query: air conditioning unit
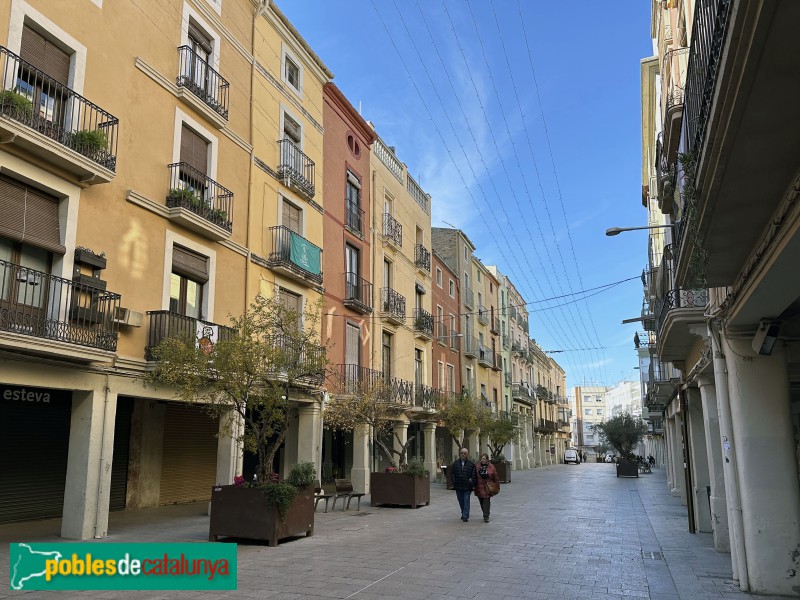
{"points": [[126, 316]]}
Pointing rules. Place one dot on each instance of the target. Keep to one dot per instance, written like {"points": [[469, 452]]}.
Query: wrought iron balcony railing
{"points": [[486, 356], [197, 76], [422, 258], [192, 190], [455, 344], [41, 305], [393, 304], [425, 397], [354, 218], [295, 253], [306, 362], [471, 346], [295, 167], [165, 324], [392, 229], [40, 102], [423, 322], [357, 293], [495, 325], [442, 333], [521, 391], [483, 315], [679, 298], [350, 379], [469, 298]]}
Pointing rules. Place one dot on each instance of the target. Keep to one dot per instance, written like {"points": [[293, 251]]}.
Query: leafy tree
{"points": [[622, 432], [253, 371], [501, 430], [461, 414]]}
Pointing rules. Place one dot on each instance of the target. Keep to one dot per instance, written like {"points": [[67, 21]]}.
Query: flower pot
{"points": [[503, 468], [246, 513], [627, 469], [399, 489]]}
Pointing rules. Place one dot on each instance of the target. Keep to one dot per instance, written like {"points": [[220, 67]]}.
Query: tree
{"points": [[622, 432], [253, 371], [368, 401], [461, 414], [501, 430]]}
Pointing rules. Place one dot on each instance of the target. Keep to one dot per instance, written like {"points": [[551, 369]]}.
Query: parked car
{"points": [[572, 456]]}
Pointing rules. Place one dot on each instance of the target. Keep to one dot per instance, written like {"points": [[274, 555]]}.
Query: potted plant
{"points": [[252, 377], [501, 430], [15, 105], [410, 486], [623, 433], [88, 142]]}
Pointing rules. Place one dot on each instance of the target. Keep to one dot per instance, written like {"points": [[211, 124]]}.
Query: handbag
{"points": [[493, 488]]}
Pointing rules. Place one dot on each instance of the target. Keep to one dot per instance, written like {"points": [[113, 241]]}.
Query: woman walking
{"points": [[486, 479]]}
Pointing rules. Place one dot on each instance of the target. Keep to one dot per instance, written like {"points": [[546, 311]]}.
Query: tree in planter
{"points": [[501, 431], [461, 414], [253, 373], [622, 433]]}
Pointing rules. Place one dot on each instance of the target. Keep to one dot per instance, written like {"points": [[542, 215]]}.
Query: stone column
{"points": [[228, 449], [91, 449], [290, 443], [719, 506], [429, 441], [699, 458], [400, 430], [474, 444], [539, 457], [359, 474], [766, 466], [309, 432]]}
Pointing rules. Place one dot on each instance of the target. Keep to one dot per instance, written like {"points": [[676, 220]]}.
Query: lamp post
{"points": [[611, 231]]}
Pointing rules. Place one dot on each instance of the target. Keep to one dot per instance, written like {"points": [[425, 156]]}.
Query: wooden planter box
{"points": [[503, 471], [245, 513], [399, 489], [627, 469]]}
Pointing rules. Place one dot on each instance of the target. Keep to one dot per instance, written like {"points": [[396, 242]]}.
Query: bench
{"points": [[321, 494], [344, 489]]}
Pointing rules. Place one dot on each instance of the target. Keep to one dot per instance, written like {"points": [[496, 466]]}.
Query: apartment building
{"points": [[129, 217], [589, 408], [487, 332], [721, 301]]}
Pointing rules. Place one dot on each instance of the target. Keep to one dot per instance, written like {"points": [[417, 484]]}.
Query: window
{"points": [[291, 72], [352, 270], [386, 355], [21, 267], [599, 411], [483, 392], [491, 288], [479, 275], [292, 217], [292, 129], [353, 203], [196, 67], [587, 411], [48, 98], [599, 399], [387, 273], [293, 303], [466, 255], [352, 345], [438, 277], [440, 372], [439, 314], [419, 368], [194, 161], [453, 338], [451, 378], [452, 289], [189, 275], [470, 383]]}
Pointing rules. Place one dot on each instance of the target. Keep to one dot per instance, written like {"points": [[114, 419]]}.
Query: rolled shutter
{"points": [[194, 150], [189, 264], [44, 55], [199, 37], [29, 215], [352, 345]]}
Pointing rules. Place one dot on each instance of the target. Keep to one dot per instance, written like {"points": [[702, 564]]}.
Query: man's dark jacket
{"points": [[463, 478]]}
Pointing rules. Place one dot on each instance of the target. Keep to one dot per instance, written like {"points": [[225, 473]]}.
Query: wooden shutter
{"points": [[199, 37], [44, 55], [190, 264], [194, 150], [291, 217], [352, 345], [29, 215]]}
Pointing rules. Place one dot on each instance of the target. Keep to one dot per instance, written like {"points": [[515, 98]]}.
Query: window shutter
{"points": [[194, 150], [291, 217], [353, 345], [189, 264], [291, 128], [44, 55], [199, 37], [29, 215]]}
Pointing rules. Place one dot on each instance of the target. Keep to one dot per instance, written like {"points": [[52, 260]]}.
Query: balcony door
{"points": [[189, 275], [352, 270], [23, 285], [352, 356], [419, 369], [194, 168], [198, 64]]}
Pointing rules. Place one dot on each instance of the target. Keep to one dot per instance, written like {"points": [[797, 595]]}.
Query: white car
{"points": [[572, 456]]}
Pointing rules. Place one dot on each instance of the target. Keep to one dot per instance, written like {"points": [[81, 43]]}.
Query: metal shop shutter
{"points": [[34, 444], [119, 464], [189, 458]]}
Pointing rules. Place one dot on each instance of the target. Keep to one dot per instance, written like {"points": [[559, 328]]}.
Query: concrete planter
{"points": [[245, 513], [399, 489], [627, 469], [503, 469]]}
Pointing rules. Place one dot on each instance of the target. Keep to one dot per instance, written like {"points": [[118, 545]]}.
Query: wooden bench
{"points": [[344, 489], [321, 494]]}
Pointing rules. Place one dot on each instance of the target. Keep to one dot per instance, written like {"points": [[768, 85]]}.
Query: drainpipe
{"points": [[97, 524], [738, 553], [687, 457]]}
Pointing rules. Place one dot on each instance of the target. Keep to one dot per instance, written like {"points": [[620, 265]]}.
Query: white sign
{"points": [[207, 337]]}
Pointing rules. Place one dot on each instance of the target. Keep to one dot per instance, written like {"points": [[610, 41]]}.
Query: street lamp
{"points": [[617, 230]]}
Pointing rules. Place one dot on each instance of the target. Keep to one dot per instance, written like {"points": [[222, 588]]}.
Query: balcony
{"points": [[483, 315], [393, 306], [422, 258], [662, 381], [354, 218], [676, 312], [506, 342], [295, 168], [507, 378], [471, 346], [547, 426], [47, 315], [196, 76], [165, 324], [294, 256], [673, 80], [442, 333], [423, 324], [357, 293], [486, 357], [469, 298], [392, 230], [425, 397], [352, 380], [43, 117], [199, 203], [495, 325], [520, 391]]}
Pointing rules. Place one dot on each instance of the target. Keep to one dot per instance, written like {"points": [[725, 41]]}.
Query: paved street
{"points": [[557, 532]]}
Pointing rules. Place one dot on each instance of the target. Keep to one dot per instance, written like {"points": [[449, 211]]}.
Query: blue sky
{"points": [[522, 119]]}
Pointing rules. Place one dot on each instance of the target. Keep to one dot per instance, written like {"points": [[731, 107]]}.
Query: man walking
{"points": [[463, 478]]}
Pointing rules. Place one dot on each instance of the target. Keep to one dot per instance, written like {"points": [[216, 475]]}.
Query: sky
{"points": [[522, 119]]}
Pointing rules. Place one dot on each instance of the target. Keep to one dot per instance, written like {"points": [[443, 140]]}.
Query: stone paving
{"points": [[564, 531]]}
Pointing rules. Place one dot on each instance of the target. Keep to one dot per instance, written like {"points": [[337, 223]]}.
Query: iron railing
{"points": [[393, 303], [295, 166], [423, 322], [41, 305], [191, 189], [422, 258], [392, 229], [679, 298], [295, 253], [357, 293], [521, 391], [40, 102], [455, 344], [469, 298], [470, 346], [353, 217], [197, 76], [442, 333], [483, 315], [303, 361], [486, 356], [495, 325], [164, 324], [425, 397], [351, 379], [709, 26]]}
